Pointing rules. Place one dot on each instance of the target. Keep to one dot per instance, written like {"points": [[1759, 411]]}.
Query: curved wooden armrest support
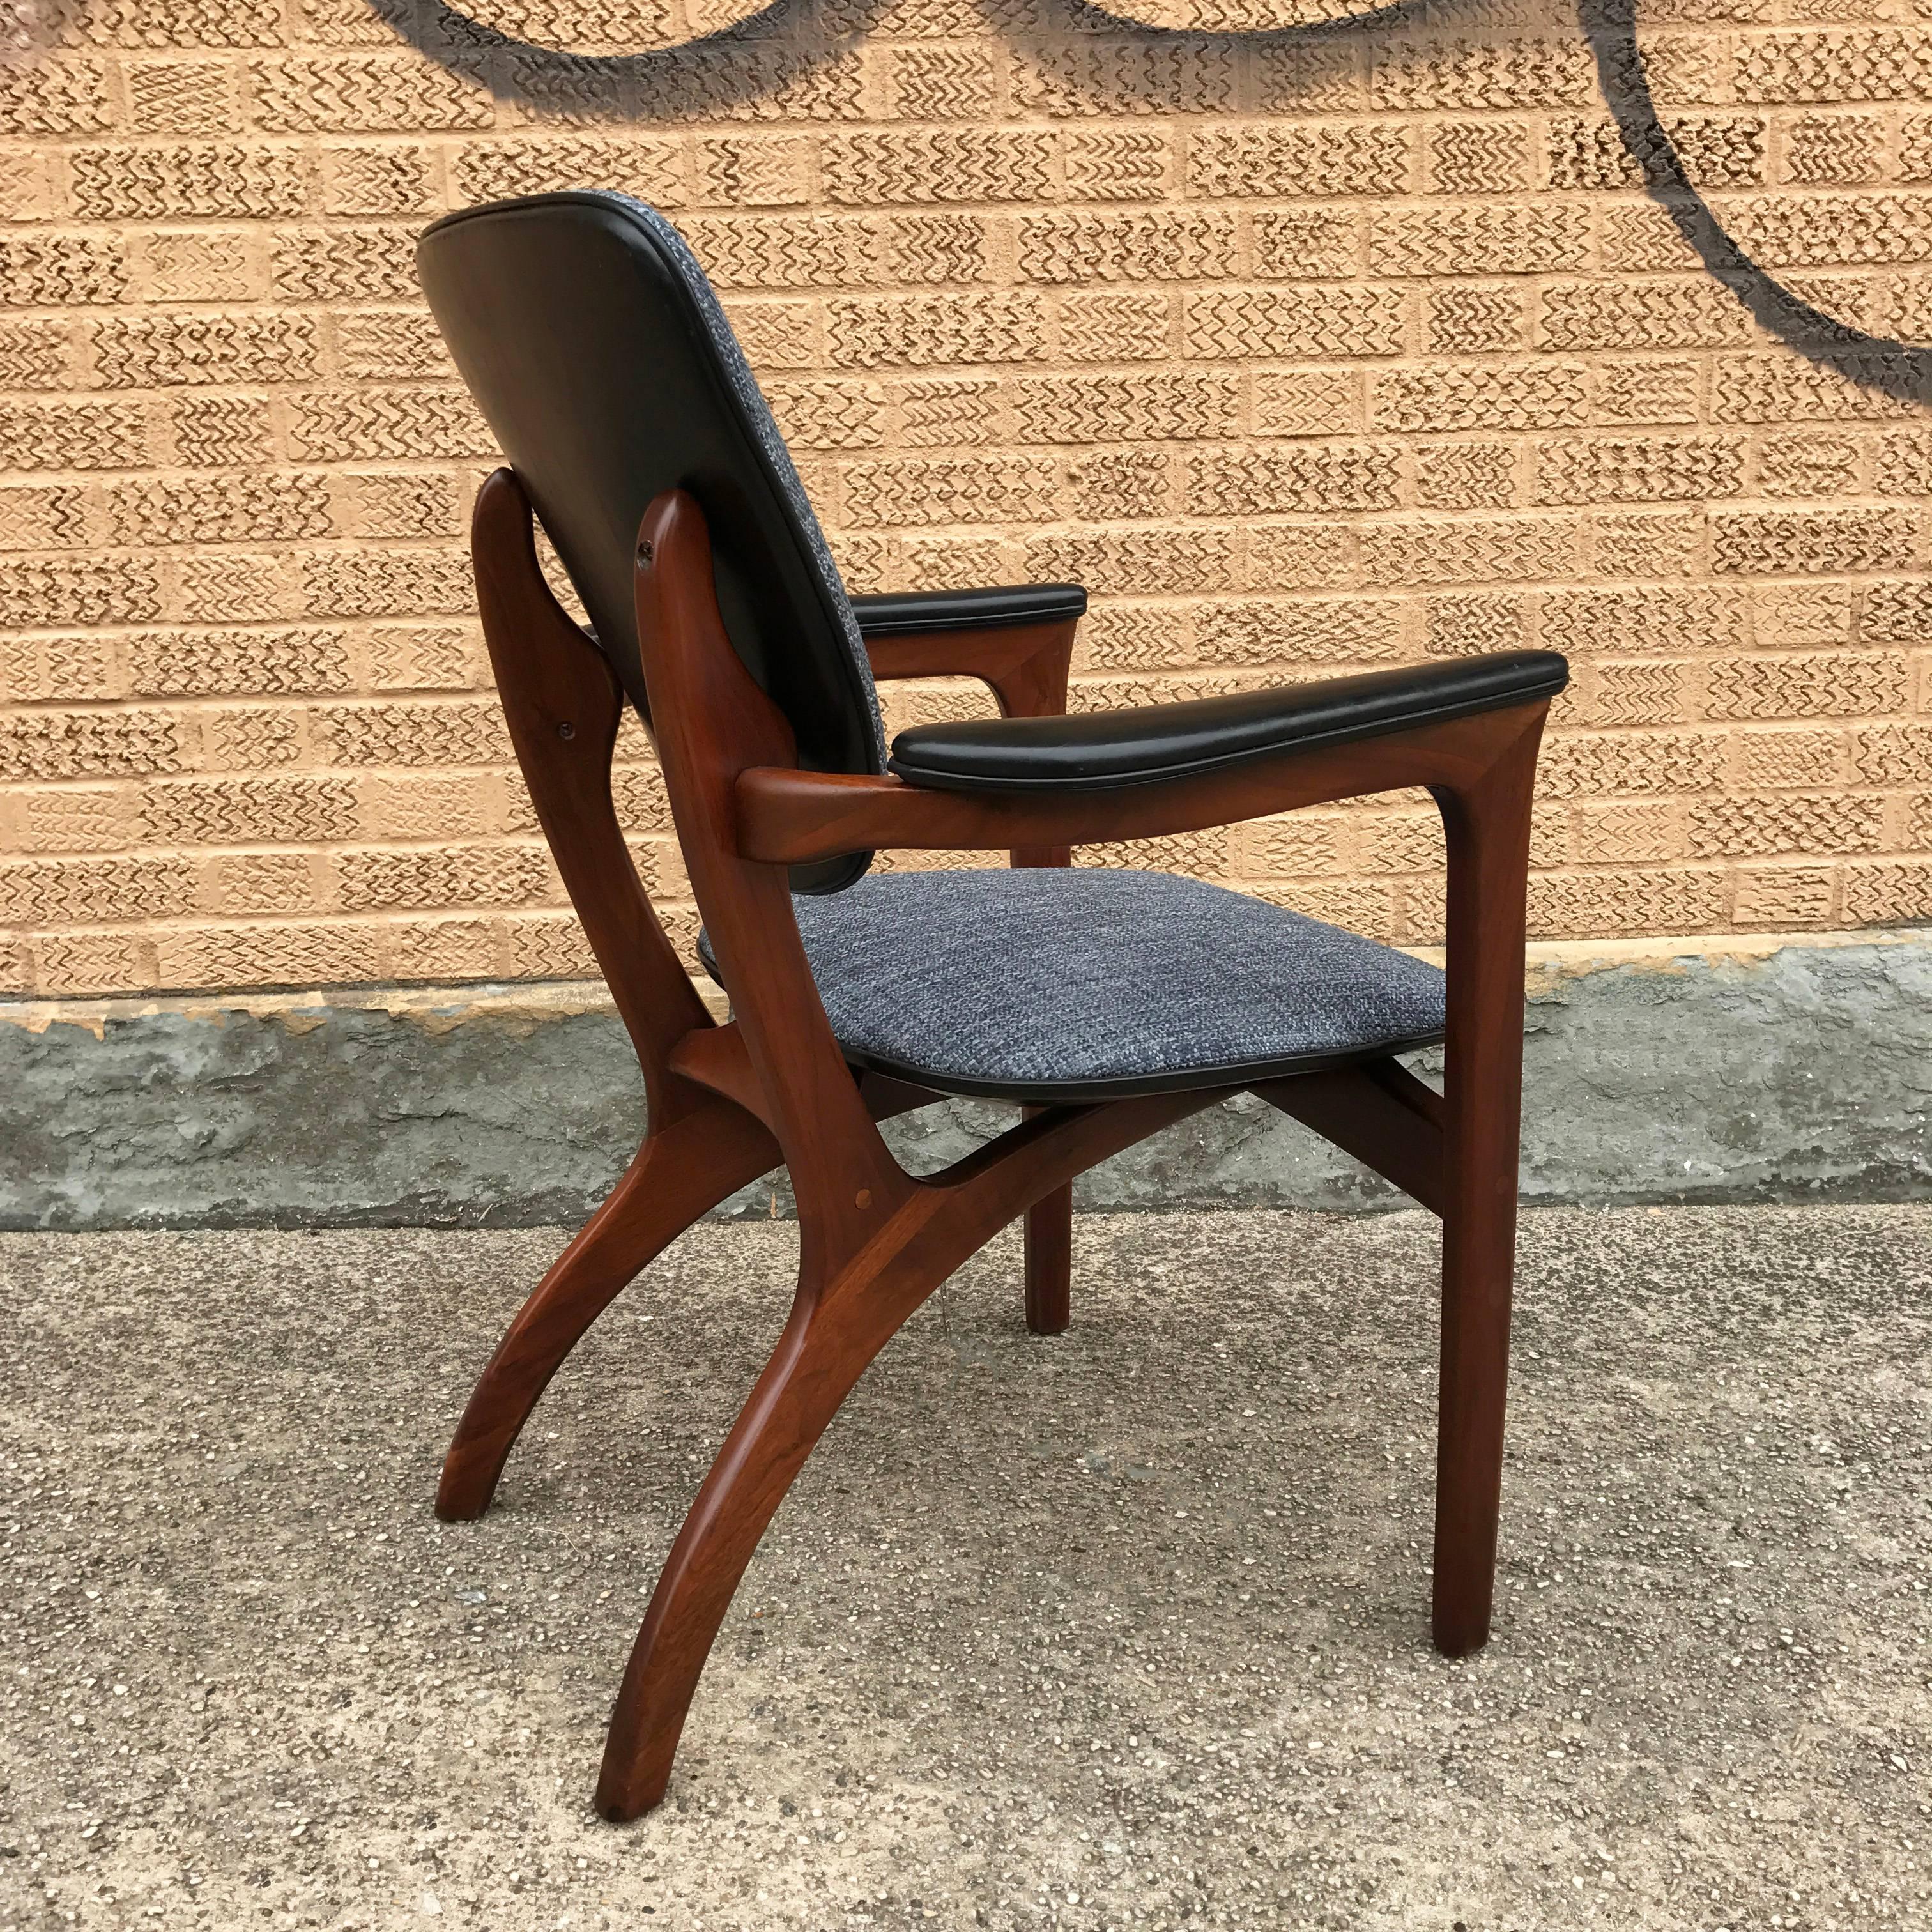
{"points": [[1026, 664], [785, 815]]}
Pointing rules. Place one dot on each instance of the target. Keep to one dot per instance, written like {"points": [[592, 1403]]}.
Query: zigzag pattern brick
{"points": [[1639, 469], [1262, 481], [1121, 409], [1283, 322], [151, 512], [1790, 541], [39, 592], [238, 663], [919, 331], [1160, 245], [1817, 685], [1273, 158], [1482, 395], [327, 426], [159, 351], [147, 184]]}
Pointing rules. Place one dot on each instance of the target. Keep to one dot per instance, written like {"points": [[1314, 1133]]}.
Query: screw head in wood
{"points": [[643, 550], [863, 1198], [566, 730]]}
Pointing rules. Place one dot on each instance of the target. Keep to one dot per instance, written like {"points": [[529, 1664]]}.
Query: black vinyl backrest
{"points": [[595, 347]]}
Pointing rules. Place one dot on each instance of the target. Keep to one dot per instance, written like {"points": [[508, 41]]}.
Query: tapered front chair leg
{"points": [[825, 1348], [1049, 1263], [676, 1176], [1488, 828]]}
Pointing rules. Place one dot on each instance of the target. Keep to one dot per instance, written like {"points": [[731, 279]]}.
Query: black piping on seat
{"points": [[1097, 751]]}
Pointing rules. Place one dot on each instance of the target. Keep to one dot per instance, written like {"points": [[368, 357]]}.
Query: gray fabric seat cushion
{"points": [[1087, 983]]}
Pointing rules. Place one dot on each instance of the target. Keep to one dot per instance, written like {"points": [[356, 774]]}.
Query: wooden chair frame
{"points": [[728, 1103]]}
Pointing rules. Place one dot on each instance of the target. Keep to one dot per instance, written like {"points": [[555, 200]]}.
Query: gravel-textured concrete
{"points": [[1123, 1628], [1745, 1068]]}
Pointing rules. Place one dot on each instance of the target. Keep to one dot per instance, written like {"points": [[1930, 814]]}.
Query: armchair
{"points": [[1107, 1004]]}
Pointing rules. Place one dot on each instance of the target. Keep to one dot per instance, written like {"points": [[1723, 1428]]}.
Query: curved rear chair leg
{"points": [[825, 1348], [676, 1176]]}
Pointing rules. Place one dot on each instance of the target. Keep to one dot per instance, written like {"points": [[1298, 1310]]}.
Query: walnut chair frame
{"points": [[729, 1102]]}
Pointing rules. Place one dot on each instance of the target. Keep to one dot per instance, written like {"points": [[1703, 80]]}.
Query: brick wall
{"points": [[1305, 355]]}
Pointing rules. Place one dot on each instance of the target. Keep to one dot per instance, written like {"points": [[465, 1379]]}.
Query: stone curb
{"points": [[1757, 1066]]}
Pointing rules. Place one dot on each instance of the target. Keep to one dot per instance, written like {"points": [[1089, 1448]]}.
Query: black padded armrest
{"points": [[896, 611], [1096, 751]]}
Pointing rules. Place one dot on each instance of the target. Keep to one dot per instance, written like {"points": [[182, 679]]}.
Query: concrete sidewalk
{"points": [[1123, 1628]]}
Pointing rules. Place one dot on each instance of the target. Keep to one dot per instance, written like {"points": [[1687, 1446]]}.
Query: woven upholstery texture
{"points": [[1037, 981]]}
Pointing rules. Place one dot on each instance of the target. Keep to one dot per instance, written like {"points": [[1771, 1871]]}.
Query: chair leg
{"points": [[1049, 1263], [825, 1348], [1488, 850], [676, 1176]]}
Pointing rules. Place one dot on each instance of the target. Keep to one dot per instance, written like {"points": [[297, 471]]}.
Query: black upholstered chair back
{"points": [[596, 350]]}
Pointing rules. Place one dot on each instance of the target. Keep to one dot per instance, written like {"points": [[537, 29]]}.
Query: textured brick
{"points": [[38, 592], [1781, 389], [1677, 314], [1716, 151], [937, 164], [267, 953], [1307, 402], [59, 95], [1648, 392], [1293, 321], [1295, 243], [33, 354], [391, 93], [918, 330], [1467, 476], [1790, 541], [1299, 557], [1898, 613], [1751, 824], [1481, 395], [1875, 894], [1788, 229], [1636, 470], [180, 97], [62, 270], [449, 875], [1811, 465], [1273, 630], [1135, 561], [205, 431], [1509, 239], [363, 583], [372, 263], [1630, 762], [328, 426], [1460, 74], [1117, 163], [80, 434], [949, 490], [40, 745], [1177, 244], [159, 351], [1658, 899], [1819, 685], [198, 265], [237, 663], [75, 818], [1133, 408], [147, 183], [1276, 158], [469, 731], [46, 516], [299, 810], [1862, 64], [1263, 480], [1469, 550], [1121, 76], [388, 178], [85, 892], [154, 511], [651, 168], [1465, 318], [1461, 624]]}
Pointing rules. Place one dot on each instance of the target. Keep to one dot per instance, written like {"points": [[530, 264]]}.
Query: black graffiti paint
{"points": [[752, 55]]}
